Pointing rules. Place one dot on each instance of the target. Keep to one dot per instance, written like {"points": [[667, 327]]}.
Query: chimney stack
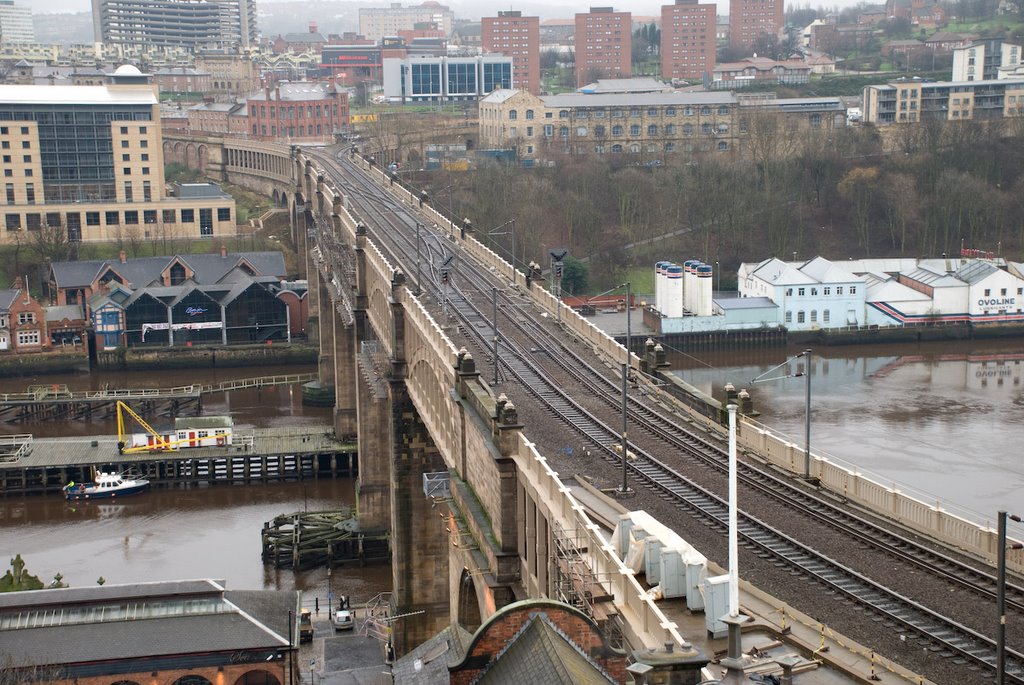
{"points": [[223, 252], [123, 257]]}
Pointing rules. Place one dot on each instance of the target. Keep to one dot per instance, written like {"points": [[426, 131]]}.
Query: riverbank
{"points": [[153, 358]]}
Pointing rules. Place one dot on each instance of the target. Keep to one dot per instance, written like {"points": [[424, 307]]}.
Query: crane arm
{"points": [[122, 409]]}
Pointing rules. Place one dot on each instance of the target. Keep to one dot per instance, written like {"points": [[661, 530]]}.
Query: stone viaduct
{"points": [[474, 511]]}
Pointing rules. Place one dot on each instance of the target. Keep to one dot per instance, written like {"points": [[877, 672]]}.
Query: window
{"points": [[13, 222], [617, 113], [30, 193], [513, 114], [634, 130], [145, 157], [149, 216], [7, 159], [92, 218], [616, 148], [652, 112], [988, 292], [32, 222], [27, 159], [581, 131], [723, 109], [549, 130], [143, 143], [111, 218], [128, 191], [827, 290], [206, 221], [126, 157], [131, 217], [10, 193], [28, 338], [142, 129], [687, 129], [670, 111], [127, 171], [26, 318], [616, 130], [723, 145], [853, 290], [124, 130], [839, 290], [789, 292], [801, 291], [147, 191], [6, 145], [25, 145], [124, 143], [825, 316], [1003, 292], [814, 292], [814, 316], [800, 317], [670, 147], [599, 130], [529, 114], [529, 131], [168, 215], [652, 130], [789, 317], [145, 171], [223, 214], [28, 173], [815, 121]]}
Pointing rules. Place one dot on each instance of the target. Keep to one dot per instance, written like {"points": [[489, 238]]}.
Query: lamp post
{"points": [[624, 490], [1001, 595], [806, 374], [718, 278]]}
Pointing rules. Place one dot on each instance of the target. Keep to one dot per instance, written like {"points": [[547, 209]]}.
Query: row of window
{"points": [[634, 130], [288, 131], [688, 111], [299, 112], [801, 316], [73, 220], [654, 148], [825, 290]]}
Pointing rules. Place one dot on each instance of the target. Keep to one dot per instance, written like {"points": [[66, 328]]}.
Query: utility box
{"points": [[716, 605], [652, 559], [673, 574], [696, 574]]}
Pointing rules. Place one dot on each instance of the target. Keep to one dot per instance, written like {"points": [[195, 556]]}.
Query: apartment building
{"points": [[986, 60], [687, 40], [748, 19], [376, 23], [88, 161], [190, 24], [231, 74], [513, 35], [913, 100], [604, 45], [16, 23]]}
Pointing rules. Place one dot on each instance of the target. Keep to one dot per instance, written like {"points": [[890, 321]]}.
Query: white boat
{"points": [[106, 485]]}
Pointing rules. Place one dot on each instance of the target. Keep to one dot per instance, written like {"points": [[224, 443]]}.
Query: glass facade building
{"points": [[446, 79]]}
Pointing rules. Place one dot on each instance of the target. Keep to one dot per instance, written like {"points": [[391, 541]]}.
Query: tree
{"points": [[50, 242], [574, 275], [859, 186]]}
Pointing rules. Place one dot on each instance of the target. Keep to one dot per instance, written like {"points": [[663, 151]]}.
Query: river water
{"points": [[941, 421], [202, 532]]}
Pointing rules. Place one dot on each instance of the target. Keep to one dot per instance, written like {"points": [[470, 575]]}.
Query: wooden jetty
{"points": [[44, 465], [56, 402], [321, 538]]}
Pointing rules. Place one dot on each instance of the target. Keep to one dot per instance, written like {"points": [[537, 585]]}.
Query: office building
{"points": [[422, 78], [604, 45], [191, 24], [749, 19], [513, 35], [913, 100], [687, 39], [376, 23], [986, 60], [88, 161], [16, 23]]}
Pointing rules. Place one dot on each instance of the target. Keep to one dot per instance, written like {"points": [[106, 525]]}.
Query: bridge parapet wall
{"points": [[929, 519], [644, 623]]}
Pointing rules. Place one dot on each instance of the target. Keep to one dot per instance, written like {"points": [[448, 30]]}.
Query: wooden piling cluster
{"points": [[321, 538]]}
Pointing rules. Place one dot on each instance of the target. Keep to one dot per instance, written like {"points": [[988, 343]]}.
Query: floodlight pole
{"points": [[1001, 595], [807, 415]]}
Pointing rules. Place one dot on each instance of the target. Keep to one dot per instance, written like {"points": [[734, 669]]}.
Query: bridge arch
{"points": [[203, 156], [191, 156]]}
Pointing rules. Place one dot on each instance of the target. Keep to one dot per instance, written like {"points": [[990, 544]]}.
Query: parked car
{"points": [[305, 626], [343, 620]]}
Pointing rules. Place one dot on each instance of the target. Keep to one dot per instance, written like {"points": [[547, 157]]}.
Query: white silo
{"points": [[674, 291], [704, 290], [689, 277], [659, 285]]}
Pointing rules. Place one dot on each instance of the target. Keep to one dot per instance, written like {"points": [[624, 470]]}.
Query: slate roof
{"points": [[640, 84], [540, 653], [140, 272], [7, 297], [825, 271], [638, 99], [778, 272], [434, 657], [229, 621], [64, 311], [975, 271]]}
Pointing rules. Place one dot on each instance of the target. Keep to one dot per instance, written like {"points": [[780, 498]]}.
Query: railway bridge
{"points": [[477, 515]]}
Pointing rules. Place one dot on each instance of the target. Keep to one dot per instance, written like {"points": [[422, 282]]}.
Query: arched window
{"points": [[529, 114], [634, 148], [687, 129], [723, 109], [705, 128], [616, 130], [616, 148], [652, 130], [634, 130], [599, 130], [581, 131], [723, 145], [705, 111], [670, 147], [800, 317], [258, 678], [192, 680], [563, 114], [563, 131], [670, 129], [513, 114]]}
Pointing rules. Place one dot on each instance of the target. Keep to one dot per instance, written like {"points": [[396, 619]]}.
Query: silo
{"points": [[659, 285], [704, 290], [674, 291], [689, 278]]}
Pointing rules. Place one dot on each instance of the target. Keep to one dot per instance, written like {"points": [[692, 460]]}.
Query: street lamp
{"points": [[1001, 594], [806, 373]]}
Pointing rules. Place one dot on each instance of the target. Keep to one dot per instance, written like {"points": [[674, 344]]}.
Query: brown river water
{"points": [[942, 421]]}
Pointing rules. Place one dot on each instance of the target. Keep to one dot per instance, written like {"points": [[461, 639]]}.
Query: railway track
{"points": [[390, 223]]}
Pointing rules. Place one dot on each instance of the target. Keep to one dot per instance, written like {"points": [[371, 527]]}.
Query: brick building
{"points": [[604, 45], [297, 112], [22, 321], [749, 19], [687, 39], [513, 35]]}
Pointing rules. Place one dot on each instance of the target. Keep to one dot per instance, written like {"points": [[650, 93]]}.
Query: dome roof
{"points": [[127, 70]]}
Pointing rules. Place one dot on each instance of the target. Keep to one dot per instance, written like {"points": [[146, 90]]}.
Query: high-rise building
{"points": [[518, 37], [16, 23], [687, 39], [88, 161], [986, 60], [748, 19], [191, 24], [379, 22], [604, 45]]}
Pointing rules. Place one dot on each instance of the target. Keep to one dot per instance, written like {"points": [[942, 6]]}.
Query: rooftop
{"points": [[79, 95]]}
